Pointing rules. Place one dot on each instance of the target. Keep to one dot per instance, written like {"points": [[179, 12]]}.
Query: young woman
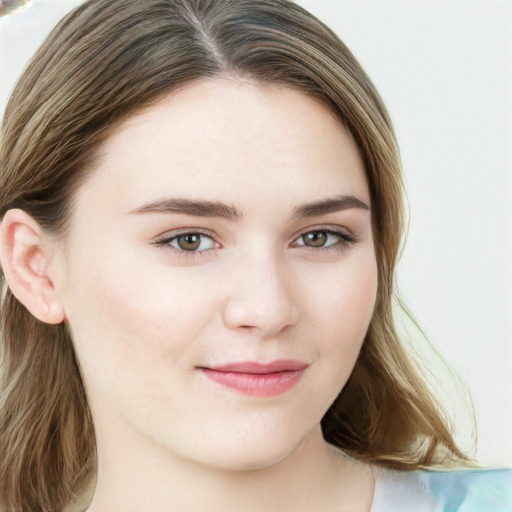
{"points": [[201, 206]]}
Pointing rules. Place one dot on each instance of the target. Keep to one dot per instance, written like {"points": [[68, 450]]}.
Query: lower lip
{"points": [[256, 384]]}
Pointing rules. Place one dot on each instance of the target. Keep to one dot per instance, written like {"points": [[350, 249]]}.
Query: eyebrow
{"points": [[203, 208], [331, 205], [198, 208]]}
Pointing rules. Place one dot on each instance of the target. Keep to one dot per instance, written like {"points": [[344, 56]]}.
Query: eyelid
{"points": [[328, 228], [345, 235], [166, 238], [346, 238]]}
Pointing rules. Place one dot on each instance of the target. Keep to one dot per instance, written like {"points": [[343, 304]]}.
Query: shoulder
{"points": [[443, 491]]}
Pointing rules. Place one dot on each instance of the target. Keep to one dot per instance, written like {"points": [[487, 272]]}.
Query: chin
{"points": [[243, 462], [249, 454]]}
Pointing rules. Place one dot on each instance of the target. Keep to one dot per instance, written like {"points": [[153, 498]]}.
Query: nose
{"points": [[261, 297]]}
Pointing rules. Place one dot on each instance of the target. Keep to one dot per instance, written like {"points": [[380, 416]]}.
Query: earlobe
{"points": [[26, 255]]}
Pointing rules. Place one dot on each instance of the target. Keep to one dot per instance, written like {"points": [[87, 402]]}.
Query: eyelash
{"points": [[166, 240], [344, 241]]}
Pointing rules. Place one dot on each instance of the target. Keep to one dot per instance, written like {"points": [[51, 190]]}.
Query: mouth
{"points": [[257, 379]]}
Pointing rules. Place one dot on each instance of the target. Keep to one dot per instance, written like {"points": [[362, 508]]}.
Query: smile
{"points": [[257, 379]]}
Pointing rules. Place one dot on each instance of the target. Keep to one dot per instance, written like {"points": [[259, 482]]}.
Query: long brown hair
{"points": [[107, 60]]}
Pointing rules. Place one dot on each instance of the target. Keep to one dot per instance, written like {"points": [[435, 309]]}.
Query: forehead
{"points": [[224, 138]]}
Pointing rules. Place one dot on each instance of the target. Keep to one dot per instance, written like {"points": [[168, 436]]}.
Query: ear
{"points": [[26, 253]]}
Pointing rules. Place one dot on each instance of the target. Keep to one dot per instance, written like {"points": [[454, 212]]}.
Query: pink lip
{"points": [[258, 379]]}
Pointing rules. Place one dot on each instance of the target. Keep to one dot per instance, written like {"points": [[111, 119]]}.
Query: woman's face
{"points": [[220, 274]]}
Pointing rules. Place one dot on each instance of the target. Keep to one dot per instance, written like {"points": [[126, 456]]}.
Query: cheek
{"points": [[126, 320], [339, 313], [342, 314], [348, 301]]}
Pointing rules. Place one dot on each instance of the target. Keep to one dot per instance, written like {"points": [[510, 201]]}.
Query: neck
{"points": [[313, 477]]}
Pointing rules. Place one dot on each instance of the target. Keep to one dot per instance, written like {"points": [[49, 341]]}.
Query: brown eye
{"points": [[315, 239], [323, 240], [189, 242], [192, 242]]}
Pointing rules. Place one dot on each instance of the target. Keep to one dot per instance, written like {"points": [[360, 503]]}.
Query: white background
{"points": [[444, 69]]}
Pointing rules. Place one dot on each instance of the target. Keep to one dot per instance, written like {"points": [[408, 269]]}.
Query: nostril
{"points": [[240, 316]]}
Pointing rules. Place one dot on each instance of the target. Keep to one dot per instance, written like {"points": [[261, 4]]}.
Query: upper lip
{"points": [[256, 367]]}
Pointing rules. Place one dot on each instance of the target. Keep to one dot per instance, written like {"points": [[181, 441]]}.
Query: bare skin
{"points": [[160, 288]]}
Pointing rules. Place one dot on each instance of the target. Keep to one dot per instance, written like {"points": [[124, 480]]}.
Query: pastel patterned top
{"points": [[482, 490], [421, 491]]}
